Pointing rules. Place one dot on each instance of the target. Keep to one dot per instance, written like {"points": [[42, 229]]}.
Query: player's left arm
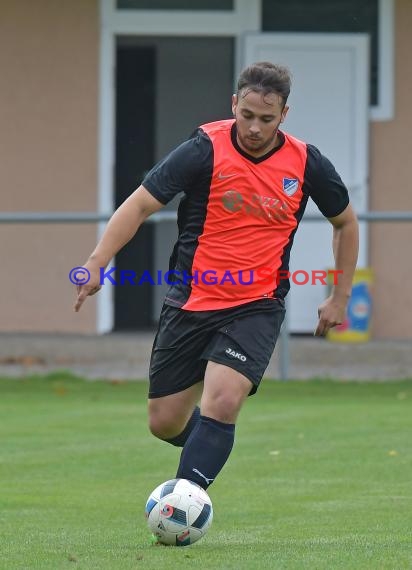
{"points": [[345, 249]]}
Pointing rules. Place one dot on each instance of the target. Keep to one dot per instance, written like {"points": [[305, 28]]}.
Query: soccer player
{"points": [[245, 185]]}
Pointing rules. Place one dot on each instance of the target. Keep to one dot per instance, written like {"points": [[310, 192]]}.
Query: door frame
{"points": [[245, 17], [113, 23]]}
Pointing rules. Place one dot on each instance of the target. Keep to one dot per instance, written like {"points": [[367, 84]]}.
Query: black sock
{"points": [[206, 451], [181, 439]]}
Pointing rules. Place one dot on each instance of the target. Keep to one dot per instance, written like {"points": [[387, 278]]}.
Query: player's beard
{"points": [[258, 145]]}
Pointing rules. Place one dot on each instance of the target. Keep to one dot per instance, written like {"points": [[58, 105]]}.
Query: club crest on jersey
{"points": [[290, 186]]}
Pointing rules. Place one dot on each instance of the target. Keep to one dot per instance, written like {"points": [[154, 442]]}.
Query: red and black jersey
{"points": [[239, 214]]}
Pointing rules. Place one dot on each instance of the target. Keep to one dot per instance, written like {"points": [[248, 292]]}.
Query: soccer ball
{"points": [[179, 512]]}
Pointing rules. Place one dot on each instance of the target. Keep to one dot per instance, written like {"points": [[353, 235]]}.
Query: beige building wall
{"points": [[391, 189], [48, 147]]}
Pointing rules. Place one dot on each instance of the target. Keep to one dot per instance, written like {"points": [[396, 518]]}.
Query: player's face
{"points": [[258, 118]]}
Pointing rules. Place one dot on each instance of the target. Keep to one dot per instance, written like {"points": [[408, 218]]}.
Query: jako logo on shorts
{"points": [[235, 354]]}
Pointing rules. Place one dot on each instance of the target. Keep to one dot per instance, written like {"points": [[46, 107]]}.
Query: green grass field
{"points": [[320, 478]]}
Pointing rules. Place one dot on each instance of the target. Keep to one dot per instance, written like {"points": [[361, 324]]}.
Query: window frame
{"points": [[220, 9], [385, 108], [382, 105]]}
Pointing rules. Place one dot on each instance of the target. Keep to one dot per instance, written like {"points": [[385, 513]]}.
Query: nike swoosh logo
{"points": [[223, 176]]}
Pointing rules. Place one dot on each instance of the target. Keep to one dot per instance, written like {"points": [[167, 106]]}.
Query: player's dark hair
{"points": [[265, 77]]}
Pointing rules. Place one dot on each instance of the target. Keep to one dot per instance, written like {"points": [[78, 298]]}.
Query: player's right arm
{"points": [[120, 229], [192, 160]]}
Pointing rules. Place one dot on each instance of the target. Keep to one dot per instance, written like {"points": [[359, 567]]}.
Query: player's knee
{"points": [[223, 406], [158, 426], [163, 426]]}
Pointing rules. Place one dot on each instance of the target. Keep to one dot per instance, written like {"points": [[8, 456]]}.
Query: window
{"points": [[343, 16]]}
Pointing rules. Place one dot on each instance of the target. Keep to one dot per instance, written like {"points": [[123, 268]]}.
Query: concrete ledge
{"points": [[126, 356]]}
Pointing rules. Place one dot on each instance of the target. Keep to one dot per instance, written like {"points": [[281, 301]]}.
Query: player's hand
{"points": [[331, 312], [92, 286]]}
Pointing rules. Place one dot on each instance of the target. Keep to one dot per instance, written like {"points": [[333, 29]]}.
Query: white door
{"points": [[329, 107]]}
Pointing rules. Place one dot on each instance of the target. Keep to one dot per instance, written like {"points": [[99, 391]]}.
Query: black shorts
{"points": [[241, 337]]}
